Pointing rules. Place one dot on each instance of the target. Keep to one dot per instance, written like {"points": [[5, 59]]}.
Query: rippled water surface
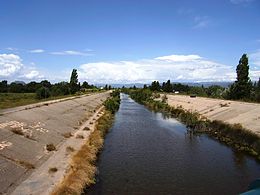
{"points": [[145, 153]]}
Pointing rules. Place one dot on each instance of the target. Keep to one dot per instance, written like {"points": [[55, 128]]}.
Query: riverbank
{"points": [[82, 168], [231, 112], [234, 135], [148, 153], [29, 137]]}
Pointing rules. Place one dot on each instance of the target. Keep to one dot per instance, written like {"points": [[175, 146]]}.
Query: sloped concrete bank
{"points": [[25, 133], [231, 112]]}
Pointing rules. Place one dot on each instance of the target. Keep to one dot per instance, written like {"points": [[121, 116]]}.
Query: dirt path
{"points": [[24, 134], [247, 114]]}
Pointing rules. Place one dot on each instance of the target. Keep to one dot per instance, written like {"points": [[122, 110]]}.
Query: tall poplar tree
{"points": [[242, 87], [74, 81]]}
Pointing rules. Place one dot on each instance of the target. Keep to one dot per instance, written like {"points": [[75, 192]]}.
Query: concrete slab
{"points": [[25, 131]]}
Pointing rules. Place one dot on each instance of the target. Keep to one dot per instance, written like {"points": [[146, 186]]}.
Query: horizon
{"points": [[126, 42]]}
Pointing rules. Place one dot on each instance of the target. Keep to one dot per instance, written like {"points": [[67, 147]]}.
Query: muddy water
{"points": [[146, 153]]}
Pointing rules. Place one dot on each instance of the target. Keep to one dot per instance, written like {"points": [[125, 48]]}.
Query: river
{"points": [[147, 153]]}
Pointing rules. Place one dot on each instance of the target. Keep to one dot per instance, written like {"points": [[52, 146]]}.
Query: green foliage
{"points": [[242, 87], [3, 86], [62, 88], [155, 86], [43, 93], [167, 87], [74, 87], [16, 88], [112, 104], [141, 95], [8, 100], [233, 135], [215, 91]]}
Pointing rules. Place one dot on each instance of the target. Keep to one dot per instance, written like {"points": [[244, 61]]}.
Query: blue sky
{"points": [[125, 41]]}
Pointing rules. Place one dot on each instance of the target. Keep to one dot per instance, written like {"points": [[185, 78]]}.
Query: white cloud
{"points": [[255, 58], [241, 1], [11, 49], [71, 52], [33, 74], [175, 67], [36, 51], [11, 67], [179, 58], [9, 64], [201, 21]]}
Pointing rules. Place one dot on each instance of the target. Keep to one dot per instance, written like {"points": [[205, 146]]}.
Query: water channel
{"points": [[147, 153]]}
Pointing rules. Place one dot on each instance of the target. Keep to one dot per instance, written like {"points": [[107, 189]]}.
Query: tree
{"points": [[32, 87], [74, 81], [85, 85], [3, 86], [168, 86], [46, 84], [257, 91], [155, 86], [242, 87], [42, 93], [16, 87]]}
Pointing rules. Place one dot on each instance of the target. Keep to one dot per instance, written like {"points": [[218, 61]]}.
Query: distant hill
{"points": [[140, 85]]}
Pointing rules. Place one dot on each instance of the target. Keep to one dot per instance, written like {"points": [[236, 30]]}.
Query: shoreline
{"points": [[233, 135]]}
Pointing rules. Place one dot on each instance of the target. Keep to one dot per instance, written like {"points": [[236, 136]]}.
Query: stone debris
{"points": [[27, 130], [4, 144]]}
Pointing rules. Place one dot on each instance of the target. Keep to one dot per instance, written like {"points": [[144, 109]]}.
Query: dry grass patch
{"points": [[52, 170], [70, 149], [67, 135], [17, 131], [86, 129], [82, 169], [50, 147], [79, 136], [25, 164]]}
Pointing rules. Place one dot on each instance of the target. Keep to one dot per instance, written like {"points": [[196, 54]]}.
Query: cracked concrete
{"points": [[25, 132]]}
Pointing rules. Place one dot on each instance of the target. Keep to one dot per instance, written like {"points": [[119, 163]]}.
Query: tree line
{"points": [[45, 89], [242, 89]]}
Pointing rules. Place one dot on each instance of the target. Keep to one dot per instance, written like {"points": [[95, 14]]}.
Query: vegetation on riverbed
{"points": [[233, 135], [83, 168]]}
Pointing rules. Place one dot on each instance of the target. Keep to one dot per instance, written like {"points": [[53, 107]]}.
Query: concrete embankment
{"points": [[25, 133], [231, 112]]}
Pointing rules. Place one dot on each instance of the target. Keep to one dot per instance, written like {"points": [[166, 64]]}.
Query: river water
{"points": [[146, 153]]}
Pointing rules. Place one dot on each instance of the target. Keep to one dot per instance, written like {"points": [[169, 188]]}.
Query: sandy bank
{"points": [[246, 114]]}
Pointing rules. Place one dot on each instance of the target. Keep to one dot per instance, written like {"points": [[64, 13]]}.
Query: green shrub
{"points": [[43, 93]]}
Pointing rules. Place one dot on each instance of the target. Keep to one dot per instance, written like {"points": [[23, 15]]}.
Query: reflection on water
{"points": [[147, 153]]}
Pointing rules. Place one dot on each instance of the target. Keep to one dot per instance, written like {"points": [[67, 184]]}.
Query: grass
{"points": [[10, 100], [50, 147], [82, 168]]}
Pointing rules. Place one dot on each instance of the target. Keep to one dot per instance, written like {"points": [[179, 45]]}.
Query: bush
{"points": [[112, 104], [42, 93]]}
